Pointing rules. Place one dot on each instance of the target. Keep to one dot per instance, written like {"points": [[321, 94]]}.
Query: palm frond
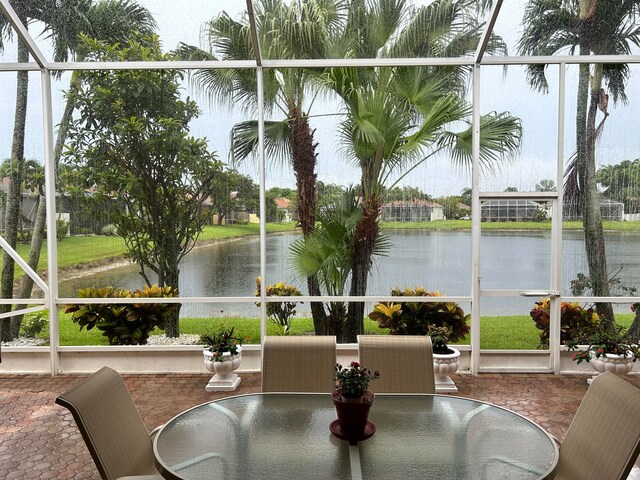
{"points": [[500, 140], [244, 141]]}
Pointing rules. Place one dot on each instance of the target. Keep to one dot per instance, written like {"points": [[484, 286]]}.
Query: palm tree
{"points": [[546, 185], [299, 30], [111, 20], [398, 118], [600, 27], [326, 253]]}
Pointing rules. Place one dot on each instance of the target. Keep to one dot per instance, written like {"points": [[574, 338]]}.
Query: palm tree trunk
{"points": [[304, 165], [591, 217], [12, 215], [367, 231], [26, 284]]}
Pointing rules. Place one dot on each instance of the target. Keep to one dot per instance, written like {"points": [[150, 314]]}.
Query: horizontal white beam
{"points": [[325, 63]]}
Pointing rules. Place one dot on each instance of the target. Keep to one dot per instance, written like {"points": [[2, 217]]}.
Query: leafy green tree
{"points": [[131, 138], [599, 27], [404, 194], [465, 196], [622, 183], [451, 206], [295, 30], [396, 118], [231, 191], [63, 22], [329, 194]]}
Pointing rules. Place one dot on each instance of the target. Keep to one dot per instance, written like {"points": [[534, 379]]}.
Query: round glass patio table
{"points": [[286, 436]]}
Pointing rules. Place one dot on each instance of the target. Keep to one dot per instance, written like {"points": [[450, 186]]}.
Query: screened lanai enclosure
{"points": [[147, 147]]}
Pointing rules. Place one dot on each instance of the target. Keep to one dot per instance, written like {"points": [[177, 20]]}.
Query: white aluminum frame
{"points": [[51, 299]]}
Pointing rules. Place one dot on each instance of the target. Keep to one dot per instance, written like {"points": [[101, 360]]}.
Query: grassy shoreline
{"points": [[512, 332]]}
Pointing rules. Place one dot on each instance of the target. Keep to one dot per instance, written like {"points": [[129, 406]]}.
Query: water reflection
{"points": [[434, 260]]}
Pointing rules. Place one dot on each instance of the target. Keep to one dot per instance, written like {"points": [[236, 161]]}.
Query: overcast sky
{"points": [[538, 112]]}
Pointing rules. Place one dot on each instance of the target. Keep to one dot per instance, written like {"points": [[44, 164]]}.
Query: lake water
{"points": [[435, 260]]}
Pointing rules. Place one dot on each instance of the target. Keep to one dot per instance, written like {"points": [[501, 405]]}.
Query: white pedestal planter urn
{"points": [[443, 366], [609, 362], [224, 379]]}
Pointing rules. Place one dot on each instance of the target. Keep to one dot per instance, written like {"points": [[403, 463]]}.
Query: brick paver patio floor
{"points": [[39, 440]]}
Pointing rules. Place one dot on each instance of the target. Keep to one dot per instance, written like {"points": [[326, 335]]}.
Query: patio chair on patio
{"points": [[298, 364], [603, 440], [111, 426], [390, 355]]}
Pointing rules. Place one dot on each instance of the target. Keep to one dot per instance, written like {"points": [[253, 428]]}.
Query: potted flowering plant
{"points": [[606, 349], [222, 356], [353, 381], [353, 401]]}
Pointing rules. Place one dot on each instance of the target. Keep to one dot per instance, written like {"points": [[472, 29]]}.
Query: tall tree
{"points": [[62, 23], [622, 183], [131, 136], [598, 27], [301, 29], [397, 118], [110, 20]]}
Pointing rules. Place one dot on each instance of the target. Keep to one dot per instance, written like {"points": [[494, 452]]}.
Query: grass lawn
{"points": [[496, 333]]}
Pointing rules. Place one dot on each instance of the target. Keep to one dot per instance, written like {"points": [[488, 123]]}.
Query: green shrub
{"points": [[280, 314], [123, 324], [24, 237], [575, 320], [109, 230], [415, 318], [33, 324]]}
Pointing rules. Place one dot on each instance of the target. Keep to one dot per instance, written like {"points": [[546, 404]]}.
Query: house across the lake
{"points": [[411, 211]]}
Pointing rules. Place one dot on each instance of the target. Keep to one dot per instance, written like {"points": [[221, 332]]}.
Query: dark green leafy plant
{"points": [[602, 341], [575, 320], [439, 338], [353, 380], [415, 318], [220, 341], [123, 324]]}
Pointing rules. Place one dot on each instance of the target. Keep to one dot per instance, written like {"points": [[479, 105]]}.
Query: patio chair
{"points": [[298, 364], [111, 426], [405, 362], [603, 440]]}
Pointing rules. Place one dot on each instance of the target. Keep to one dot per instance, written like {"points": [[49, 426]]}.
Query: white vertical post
{"points": [[263, 207], [475, 223], [50, 201], [556, 230]]}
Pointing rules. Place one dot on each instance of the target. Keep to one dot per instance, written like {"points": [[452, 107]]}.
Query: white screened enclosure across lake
{"points": [[194, 147]]}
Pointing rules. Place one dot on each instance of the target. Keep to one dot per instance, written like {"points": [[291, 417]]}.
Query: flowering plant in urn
{"points": [[353, 381]]}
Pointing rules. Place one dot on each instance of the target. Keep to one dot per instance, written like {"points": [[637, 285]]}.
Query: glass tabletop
{"points": [[287, 436]]}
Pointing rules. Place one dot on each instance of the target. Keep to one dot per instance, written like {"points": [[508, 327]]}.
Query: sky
{"points": [[437, 177]]}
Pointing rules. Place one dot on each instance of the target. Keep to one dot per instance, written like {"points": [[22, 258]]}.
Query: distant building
{"points": [[609, 210], [284, 206], [412, 211], [508, 210]]}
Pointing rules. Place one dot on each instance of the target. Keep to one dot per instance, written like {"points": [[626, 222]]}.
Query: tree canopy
{"points": [[132, 140]]}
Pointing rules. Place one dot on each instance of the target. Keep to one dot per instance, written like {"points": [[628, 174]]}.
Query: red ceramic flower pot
{"points": [[353, 414]]}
